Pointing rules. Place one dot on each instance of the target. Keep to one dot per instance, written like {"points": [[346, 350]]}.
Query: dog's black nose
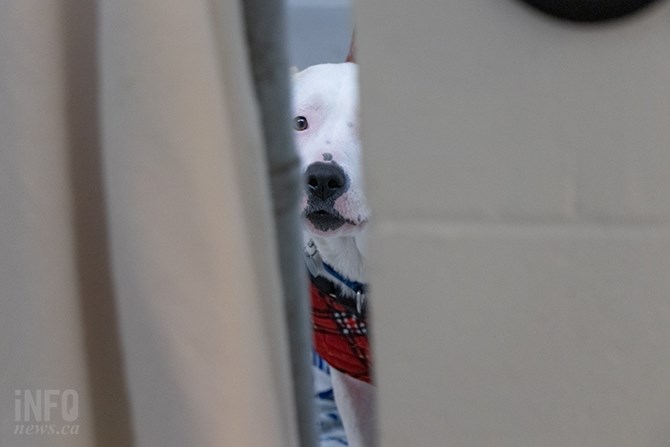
{"points": [[325, 181]]}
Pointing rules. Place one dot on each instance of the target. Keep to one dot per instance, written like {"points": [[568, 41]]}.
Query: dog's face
{"points": [[325, 110]]}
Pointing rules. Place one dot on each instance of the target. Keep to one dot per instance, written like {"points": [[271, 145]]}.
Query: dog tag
{"points": [[360, 300], [313, 259]]}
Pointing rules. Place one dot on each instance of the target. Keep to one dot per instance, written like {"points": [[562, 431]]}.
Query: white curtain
{"points": [[137, 261]]}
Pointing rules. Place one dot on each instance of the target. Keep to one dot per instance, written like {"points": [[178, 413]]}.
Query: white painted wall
{"points": [[519, 170]]}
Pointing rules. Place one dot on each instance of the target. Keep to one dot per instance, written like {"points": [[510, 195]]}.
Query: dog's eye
{"points": [[300, 123]]}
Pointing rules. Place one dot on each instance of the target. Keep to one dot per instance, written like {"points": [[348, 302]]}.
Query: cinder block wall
{"points": [[519, 171]]}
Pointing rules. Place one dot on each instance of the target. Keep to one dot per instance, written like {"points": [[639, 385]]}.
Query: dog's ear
{"points": [[351, 57]]}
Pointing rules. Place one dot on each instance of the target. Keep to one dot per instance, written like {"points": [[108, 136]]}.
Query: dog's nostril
{"points": [[313, 182], [334, 183]]}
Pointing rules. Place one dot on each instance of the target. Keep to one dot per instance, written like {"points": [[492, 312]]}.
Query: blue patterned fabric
{"points": [[331, 432]]}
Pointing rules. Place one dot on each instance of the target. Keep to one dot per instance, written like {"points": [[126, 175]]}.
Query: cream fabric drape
{"points": [[137, 261]]}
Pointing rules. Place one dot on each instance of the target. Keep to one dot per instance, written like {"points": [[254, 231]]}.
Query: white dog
{"points": [[335, 214]]}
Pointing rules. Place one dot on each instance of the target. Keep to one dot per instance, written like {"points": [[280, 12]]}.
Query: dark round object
{"points": [[300, 123], [589, 10]]}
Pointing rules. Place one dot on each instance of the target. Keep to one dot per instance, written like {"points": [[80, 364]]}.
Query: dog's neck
{"points": [[344, 254]]}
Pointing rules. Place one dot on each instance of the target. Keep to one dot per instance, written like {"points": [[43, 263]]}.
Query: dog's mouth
{"points": [[325, 220]]}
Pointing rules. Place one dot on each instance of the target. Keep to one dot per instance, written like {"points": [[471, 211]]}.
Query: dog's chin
{"points": [[331, 224]]}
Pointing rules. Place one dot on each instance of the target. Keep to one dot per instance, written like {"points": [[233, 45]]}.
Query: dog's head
{"points": [[325, 110]]}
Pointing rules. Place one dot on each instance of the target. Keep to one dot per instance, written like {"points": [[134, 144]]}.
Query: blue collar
{"points": [[317, 267], [353, 285]]}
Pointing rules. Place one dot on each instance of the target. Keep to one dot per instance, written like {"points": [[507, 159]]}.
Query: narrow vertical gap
{"points": [[107, 382], [266, 37]]}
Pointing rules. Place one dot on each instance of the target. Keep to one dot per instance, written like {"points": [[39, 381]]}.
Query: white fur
{"points": [[327, 95]]}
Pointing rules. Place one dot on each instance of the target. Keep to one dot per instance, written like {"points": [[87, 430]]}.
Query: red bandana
{"points": [[340, 336]]}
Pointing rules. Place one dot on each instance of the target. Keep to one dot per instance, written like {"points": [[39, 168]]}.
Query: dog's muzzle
{"points": [[324, 183]]}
